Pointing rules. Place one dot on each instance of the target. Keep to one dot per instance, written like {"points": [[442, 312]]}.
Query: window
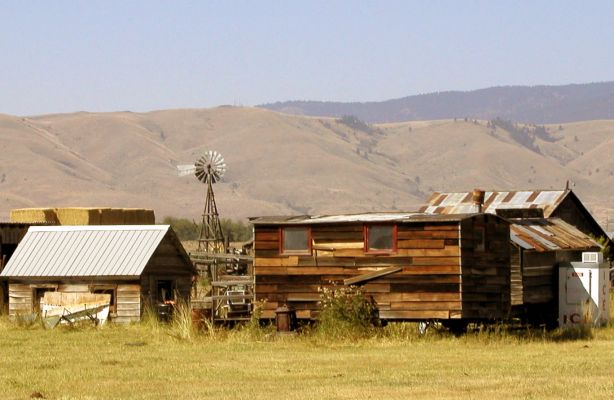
{"points": [[380, 238], [295, 240]]}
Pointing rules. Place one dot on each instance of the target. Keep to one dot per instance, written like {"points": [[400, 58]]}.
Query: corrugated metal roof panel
{"points": [[349, 218], [461, 203], [80, 251], [543, 234]]}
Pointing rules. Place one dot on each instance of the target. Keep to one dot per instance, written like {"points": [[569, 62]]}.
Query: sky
{"points": [[66, 56]]}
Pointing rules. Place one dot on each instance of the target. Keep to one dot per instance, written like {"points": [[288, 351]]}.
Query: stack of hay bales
{"points": [[84, 216], [78, 216], [34, 215]]}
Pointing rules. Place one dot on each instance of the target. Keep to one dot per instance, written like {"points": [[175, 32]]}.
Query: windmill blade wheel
{"points": [[210, 167]]}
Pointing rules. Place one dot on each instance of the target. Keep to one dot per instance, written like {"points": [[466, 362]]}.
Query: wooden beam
{"points": [[371, 275]]}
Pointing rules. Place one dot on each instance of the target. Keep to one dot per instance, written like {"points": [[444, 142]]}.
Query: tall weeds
{"points": [[182, 326]]}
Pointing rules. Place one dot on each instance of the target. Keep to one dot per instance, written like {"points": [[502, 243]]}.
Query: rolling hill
{"points": [[528, 104], [285, 164]]}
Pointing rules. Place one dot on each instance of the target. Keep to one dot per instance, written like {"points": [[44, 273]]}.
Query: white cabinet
{"points": [[584, 293]]}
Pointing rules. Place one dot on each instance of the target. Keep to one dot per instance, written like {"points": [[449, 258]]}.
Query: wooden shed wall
{"points": [[571, 212], [486, 272], [427, 287], [539, 273], [128, 300], [167, 263]]}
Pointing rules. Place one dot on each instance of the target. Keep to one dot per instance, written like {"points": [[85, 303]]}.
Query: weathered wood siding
{"points": [[20, 299], [428, 287], [486, 272], [167, 263], [538, 276]]}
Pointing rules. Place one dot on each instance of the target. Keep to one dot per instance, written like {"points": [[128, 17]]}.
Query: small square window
{"points": [[296, 240], [380, 238]]}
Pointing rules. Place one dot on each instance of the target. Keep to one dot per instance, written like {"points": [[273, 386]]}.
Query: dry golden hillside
{"points": [[283, 164]]}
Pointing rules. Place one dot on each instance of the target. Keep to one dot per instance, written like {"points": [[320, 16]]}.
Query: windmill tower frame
{"points": [[208, 169], [211, 237]]}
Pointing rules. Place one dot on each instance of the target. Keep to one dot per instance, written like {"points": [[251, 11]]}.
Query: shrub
{"points": [[345, 312]]}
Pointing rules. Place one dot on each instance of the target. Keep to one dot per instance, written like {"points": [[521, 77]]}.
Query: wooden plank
{"points": [[333, 246], [363, 278], [318, 271], [435, 261], [306, 297], [421, 244], [426, 305], [373, 287], [271, 236], [266, 246], [414, 314], [445, 252], [440, 227], [431, 270], [402, 235], [425, 296], [277, 262]]}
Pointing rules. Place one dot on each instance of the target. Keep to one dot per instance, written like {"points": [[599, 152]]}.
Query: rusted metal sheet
{"points": [[549, 234], [461, 203], [382, 217]]}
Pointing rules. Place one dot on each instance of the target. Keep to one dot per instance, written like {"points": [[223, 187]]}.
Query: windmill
{"points": [[208, 169]]}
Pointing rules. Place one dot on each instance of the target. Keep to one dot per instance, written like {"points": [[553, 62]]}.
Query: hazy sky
{"points": [[64, 56]]}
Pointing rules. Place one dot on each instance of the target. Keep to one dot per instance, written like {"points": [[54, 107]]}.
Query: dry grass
{"points": [[131, 362]]}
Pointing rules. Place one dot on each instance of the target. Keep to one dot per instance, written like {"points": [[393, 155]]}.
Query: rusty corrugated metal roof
{"points": [[547, 234], [365, 217], [461, 202]]}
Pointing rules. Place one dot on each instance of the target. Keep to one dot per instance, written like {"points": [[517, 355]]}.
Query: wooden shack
{"points": [[538, 245], [135, 264], [414, 266]]}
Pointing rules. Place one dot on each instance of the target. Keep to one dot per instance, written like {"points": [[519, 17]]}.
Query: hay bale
{"points": [[139, 216], [148, 217], [32, 215], [78, 216], [112, 216], [130, 216]]}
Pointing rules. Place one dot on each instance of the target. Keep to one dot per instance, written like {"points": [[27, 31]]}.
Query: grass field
{"points": [[145, 362]]}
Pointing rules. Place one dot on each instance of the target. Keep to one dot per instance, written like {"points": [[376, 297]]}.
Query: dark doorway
{"points": [[165, 291]]}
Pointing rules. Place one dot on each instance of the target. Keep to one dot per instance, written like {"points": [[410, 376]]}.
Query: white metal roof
{"points": [[85, 251]]}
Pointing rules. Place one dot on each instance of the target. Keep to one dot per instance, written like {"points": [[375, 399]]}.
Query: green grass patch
{"points": [[141, 362]]}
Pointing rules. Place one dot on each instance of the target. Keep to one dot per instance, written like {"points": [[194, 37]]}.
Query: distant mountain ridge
{"points": [[526, 104], [281, 164]]}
